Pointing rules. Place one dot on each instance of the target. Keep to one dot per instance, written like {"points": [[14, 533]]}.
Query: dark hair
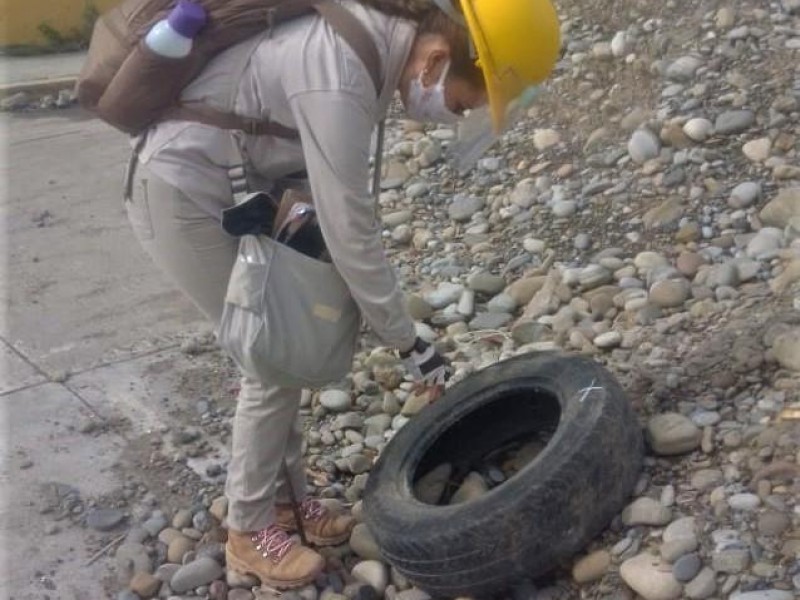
{"points": [[462, 62], [431, 20]]}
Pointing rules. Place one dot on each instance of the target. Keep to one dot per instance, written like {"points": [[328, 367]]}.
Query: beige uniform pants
{"points": [[189, 245]]}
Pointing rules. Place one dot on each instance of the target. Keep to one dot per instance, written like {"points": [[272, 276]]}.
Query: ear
{"points": [[434, 63]]}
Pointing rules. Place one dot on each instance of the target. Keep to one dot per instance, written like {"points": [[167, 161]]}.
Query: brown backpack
{"points": [[131, 87]]}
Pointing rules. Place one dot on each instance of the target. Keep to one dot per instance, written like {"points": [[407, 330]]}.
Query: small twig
{"points": [[105, 549]]}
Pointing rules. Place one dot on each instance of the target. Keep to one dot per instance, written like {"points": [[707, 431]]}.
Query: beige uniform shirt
{"points": [[306, 77]]}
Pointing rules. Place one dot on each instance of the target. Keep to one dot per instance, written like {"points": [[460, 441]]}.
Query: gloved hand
{"points": [[425, 364]]}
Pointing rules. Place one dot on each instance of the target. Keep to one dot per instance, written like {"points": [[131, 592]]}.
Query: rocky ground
{"points": [[647, 213]]}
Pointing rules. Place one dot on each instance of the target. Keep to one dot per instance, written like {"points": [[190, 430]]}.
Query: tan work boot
{"points": [[272, 556], [322, 526]]}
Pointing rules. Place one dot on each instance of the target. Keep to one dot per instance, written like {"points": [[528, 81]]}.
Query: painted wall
{"points": [[20, 19]]}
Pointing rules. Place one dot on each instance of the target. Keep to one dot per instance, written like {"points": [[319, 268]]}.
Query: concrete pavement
{"points": [[89, 332], [47, 73], [15, 70]]}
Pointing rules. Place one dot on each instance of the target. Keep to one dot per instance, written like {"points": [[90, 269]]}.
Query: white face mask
{"points": [[427, 105]]}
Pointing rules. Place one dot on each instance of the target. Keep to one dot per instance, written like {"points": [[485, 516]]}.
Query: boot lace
{"points": [[312, 510], [273, 543]]}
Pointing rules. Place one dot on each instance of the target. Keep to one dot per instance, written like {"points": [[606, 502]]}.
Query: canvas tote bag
{"points": [[289, 319]]}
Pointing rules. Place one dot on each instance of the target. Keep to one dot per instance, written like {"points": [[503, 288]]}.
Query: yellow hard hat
{"points": [[517, 43]]}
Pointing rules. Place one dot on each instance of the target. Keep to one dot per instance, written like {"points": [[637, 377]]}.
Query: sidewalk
{"points": [[28, 73], [90, 359]]}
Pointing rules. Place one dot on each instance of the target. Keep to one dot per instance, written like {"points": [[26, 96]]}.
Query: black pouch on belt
{"points": [[255, 215]]}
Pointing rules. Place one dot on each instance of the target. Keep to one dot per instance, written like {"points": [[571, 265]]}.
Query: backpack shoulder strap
{"points": [[347, 25]]}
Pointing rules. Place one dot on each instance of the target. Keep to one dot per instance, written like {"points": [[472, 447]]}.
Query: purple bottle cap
{"points": [[187, 18]]}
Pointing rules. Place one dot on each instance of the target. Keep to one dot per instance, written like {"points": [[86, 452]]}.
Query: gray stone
{"points": [[724, 275], [178, 547], [473, 487], [648, 260], [744, 502], [545, 138], [564, 208], [402, 234], [684, 527], [607, 340], [464, 207], [730, 560], [765, 243], [358, 463], [377, 424], [128, 595], [373, 573], [705, 479], [674, 549], [734, 121], [646, 511], [131, 559], [763, 595], [136, 535], [430, 487], [447, 293], [219, 508], [670, 293], [594, 276], [238, 580], [202, 521], [684, 68], [363, 543], [166, 571], [350, 420], [773, 523], [104, 519], [490, 320], [524, 194], [182, 519], [156, 523], [395, 174], [757, 150], [486, 283], [744, 194], [413, 594], [650, 577], [643, 146], [335, 400], [698, 130], [703, 586], [490, 164], [687, 567], [747, 269], [529, 332], [672, 433], [502, 303], [786, 349], [200, 572]]}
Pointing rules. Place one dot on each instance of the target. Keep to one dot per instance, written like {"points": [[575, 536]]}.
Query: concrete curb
{"points": [[39, 87]]}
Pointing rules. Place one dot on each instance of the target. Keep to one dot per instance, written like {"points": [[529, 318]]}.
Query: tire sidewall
{"points": [[593, 409]]}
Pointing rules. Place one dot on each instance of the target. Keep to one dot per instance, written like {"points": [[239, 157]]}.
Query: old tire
{"points": [[539, 517]]}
